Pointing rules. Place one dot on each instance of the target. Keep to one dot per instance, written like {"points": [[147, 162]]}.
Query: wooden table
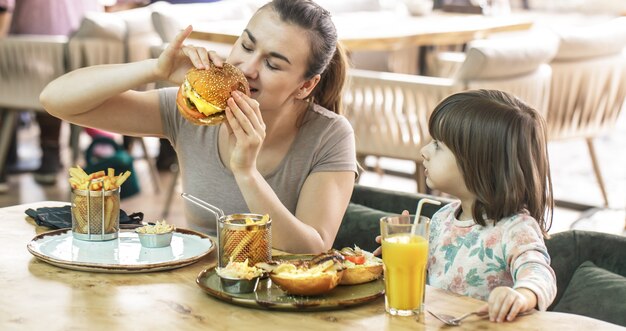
{"points": [[389, 31], [38, 296]]}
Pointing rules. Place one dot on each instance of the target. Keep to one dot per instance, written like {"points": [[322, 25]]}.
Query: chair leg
{"points": [[9, 118], [596, 169], [170, 193], [154, 173]]}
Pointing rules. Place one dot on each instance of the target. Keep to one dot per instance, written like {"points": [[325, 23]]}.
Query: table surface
{"points": [[389, 30], [40, 296]]}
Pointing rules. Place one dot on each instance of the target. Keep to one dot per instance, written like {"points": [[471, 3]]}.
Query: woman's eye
{"points": [[269, 65], [246, 48]]}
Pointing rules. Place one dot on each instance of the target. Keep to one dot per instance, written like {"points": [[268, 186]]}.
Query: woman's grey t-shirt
{"points": [[325, 142]]}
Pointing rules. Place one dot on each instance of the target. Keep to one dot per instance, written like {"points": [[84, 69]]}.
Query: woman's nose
{"points": [[249, 68]]}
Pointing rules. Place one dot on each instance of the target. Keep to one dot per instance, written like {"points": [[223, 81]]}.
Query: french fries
{"points": [[99, 213], [80, 180]]}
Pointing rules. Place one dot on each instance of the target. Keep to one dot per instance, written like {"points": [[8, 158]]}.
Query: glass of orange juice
{"points": [[405, 257]]}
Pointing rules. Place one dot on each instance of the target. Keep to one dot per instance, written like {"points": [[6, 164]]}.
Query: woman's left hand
{"points": [[245, 123]]}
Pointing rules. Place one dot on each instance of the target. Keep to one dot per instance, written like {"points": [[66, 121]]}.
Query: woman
{"points": [[284, 151]]}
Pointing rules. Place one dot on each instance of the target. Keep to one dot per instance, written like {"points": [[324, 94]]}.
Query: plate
{"points": [[122, 255], [269, 296]]}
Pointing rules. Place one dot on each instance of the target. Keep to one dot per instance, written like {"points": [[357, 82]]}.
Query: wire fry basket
{"points": [[240, 239], [239, 236], [95, 214]]}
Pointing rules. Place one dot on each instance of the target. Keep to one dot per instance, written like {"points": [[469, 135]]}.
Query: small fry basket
{"points": [[244, 236], [95, 214]]}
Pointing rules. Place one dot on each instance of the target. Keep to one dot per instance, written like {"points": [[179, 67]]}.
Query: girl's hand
{"points": [[177, 58], [506, 303], [378, 239], [246, 124]]}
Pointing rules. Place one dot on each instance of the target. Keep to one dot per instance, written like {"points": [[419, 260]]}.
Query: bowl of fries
{"points": [[95, 201], [239, 277], [157, 235], [243, 237]]}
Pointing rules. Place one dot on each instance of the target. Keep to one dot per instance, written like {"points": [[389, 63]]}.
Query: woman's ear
{"points": [[307, 87]]}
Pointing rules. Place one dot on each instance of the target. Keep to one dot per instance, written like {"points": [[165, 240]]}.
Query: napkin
{"points": [[61, 217]]}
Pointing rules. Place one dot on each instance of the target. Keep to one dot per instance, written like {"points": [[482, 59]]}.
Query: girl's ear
{"points": [[307, 87]]}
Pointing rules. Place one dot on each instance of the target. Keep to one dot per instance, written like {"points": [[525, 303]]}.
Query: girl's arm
{"points": [[529, 263]]}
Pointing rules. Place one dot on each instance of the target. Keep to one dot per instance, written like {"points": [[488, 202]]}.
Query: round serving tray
{"points": [[122, 255]]}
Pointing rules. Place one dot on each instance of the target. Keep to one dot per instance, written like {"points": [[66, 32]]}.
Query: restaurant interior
{"points": [[565, 58]]}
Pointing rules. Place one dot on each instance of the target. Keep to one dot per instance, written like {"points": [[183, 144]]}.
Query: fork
{"points": [[456, 321]]}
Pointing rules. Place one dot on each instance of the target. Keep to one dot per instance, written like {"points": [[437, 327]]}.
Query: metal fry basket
{"points": [[238, 240], [95, 214]]}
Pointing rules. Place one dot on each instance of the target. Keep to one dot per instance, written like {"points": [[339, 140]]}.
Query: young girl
{"points": [[489, 151]]}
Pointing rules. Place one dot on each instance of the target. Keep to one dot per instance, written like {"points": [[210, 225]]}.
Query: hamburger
{"points": [[316, 276], [361, 266], [202, 97]]}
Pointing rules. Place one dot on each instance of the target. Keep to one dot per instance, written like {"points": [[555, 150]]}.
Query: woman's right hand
{"points": [[177, 59]]}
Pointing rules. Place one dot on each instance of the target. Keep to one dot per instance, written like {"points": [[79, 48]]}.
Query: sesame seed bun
{"points": [[202, 97]]}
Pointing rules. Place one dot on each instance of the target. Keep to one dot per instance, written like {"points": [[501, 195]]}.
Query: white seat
{"points": [[389, 111], [589, 85], [27, 64]]}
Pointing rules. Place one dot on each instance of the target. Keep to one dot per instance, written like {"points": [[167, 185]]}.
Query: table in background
{"points": [[40, 296]]}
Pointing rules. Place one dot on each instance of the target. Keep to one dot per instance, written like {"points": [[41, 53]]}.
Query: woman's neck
{"points": [[281, 124]]}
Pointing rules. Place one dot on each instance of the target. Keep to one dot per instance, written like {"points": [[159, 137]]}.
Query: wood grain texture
{"points": [[40, 296]]}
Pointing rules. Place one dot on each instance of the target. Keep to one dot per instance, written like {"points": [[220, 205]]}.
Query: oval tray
{"points": [[269, 296]]}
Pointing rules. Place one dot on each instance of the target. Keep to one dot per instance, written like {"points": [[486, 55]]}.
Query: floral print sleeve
{"points": [[470, 259]]}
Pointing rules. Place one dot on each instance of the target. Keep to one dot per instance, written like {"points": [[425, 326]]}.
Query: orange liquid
{"points": [[405, 257]]}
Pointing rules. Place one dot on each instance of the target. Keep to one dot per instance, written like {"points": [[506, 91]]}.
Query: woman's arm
{"points": [[322, 203], [101, 96]]}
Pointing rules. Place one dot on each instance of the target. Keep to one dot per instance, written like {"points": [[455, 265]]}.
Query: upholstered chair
{"points": [[389, 111], [590, 274], [589, 85], [27, 64]]}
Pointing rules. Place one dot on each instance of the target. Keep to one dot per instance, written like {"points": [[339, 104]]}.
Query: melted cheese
{"points": [[202, 106]]}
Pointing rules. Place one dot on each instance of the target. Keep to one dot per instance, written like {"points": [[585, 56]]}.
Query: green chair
{"points": [[590, 270], [360, 224]]}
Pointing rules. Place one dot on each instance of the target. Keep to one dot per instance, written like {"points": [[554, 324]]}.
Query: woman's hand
{"points": [[245, 124], [177, 59], [505, 303]]}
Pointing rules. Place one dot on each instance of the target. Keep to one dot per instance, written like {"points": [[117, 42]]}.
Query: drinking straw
{"points": [[418, 212]]}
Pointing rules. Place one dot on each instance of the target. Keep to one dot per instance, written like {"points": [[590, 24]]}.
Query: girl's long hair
{"points": [[501, 148]]}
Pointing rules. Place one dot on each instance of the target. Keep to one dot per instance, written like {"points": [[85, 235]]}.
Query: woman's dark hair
{"points": [[327, 57], [500, 146]]}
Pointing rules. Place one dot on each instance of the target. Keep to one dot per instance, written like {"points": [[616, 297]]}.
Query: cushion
{"points": [[596, 293], [348, 6], [498, 58], [360, 226], [101, 25], [169, 19], [598, 40]]}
